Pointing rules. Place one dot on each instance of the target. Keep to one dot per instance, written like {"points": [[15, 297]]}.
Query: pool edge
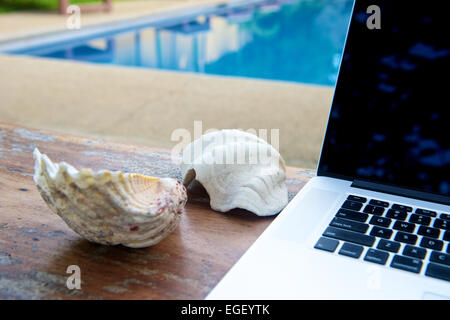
{"points": [[165, 16]]}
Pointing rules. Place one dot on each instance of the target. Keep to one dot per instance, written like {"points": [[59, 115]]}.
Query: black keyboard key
{"points": [[379, 203], [352, 215], [376, 256], [417, 218], [349, 236], [401, 207], [445, 216], [426, 212], [380, 221], [326, 244], [431, 244], [396, 214], [429, 232], [414, 252], [448, 248], [349, 225], [351, 250], [442, 224], [405, 237], [388, 245], [381, 232], [438, 271], [378, 211], [404, 226], [440, 257], [356, 198], [352, 205], [406, 263], [447, 236]]}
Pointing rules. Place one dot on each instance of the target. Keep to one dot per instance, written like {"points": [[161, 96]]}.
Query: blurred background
{"points": [[247, 64]]}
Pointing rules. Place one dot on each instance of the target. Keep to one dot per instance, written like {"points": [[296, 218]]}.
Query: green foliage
{"points": [[14, 5]]}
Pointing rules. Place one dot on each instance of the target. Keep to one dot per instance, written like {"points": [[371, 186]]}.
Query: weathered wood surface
{"points": [[36, 246]]}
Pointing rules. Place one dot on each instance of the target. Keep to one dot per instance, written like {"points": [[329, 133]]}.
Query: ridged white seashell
{"points": [[111, 207], [238, 170]]}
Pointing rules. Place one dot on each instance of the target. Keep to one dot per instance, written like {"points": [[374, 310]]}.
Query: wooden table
{"points": [[36, 246]]}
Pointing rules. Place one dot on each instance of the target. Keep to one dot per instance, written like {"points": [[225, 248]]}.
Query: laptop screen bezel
{"points": [[378, 186]]}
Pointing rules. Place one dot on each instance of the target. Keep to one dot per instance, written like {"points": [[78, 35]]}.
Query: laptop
{"points": [[375, 221]]}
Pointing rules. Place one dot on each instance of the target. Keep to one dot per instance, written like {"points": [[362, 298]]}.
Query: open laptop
{"points": [[375, 222]]}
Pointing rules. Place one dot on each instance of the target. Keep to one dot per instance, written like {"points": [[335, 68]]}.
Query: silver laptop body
{"points": [[374, 223]]}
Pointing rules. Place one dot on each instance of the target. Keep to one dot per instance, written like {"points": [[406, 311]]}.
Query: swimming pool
{"points": [[287, 40]]}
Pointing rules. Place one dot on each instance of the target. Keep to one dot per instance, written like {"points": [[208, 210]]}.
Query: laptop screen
{"points": [[389, 121]]}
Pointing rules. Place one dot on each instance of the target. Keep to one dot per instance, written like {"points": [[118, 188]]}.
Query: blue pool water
{"points": [[288, 40]]}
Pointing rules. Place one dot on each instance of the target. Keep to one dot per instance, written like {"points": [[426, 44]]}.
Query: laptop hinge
{"points": [[401, 192]]}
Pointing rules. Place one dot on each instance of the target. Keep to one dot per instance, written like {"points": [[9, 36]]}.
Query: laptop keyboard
{"points": [[411, 239]]}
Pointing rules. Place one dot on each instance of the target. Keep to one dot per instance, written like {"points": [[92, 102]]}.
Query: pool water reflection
{"points": [[287, 40]]}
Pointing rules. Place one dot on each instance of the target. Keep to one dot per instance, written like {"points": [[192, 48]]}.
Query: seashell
{"points": [[238, 170], [111, 207]]}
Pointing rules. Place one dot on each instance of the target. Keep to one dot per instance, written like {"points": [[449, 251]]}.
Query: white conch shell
{"points": [[224, 163], [111, 207]]}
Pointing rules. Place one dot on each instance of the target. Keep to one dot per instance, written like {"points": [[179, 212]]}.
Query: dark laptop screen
{"points": [[389, 121]]}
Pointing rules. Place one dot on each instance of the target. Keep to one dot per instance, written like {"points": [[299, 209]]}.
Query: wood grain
{"points": [[36, 246]]}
